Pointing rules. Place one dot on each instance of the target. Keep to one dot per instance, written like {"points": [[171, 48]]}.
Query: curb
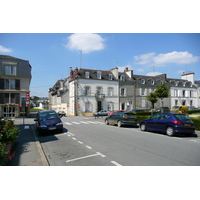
{"points": [[40, 149]]}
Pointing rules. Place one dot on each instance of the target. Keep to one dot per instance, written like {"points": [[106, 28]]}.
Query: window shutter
{"points": [[17, 84], [2, 98], [1, 83], [17, 98]]}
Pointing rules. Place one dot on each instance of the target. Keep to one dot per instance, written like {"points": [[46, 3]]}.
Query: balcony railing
{"points": [[99, 97]]}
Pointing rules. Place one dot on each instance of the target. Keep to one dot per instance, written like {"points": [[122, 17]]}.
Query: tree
{"points": [[152, 98], [162, 91]]}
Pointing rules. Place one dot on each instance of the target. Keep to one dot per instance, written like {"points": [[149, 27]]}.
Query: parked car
{"points": [[115, 111], [170, 123], [121, 118], [61, 113], [179, 108], [138, 110], [192, 108], [47, 121], [165, 109], [102, 113]]}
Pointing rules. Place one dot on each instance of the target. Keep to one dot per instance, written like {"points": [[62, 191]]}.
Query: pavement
{"points": [[27, 150]]}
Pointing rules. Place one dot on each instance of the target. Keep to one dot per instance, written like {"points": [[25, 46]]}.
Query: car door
{"points": [[152, 122], [161, 123]]}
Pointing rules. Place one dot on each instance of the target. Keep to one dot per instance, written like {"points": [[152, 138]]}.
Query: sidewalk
{"points": [[27, 149]]}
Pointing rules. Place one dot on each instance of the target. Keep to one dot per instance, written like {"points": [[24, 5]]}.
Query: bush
{"points": [[196, 123], [8, 133]]}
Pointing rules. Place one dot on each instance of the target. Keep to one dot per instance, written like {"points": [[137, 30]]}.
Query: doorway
{"points": [[99, 106], [9, 111]]}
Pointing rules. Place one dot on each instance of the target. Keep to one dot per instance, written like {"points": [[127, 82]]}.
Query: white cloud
{"points": [[153, 73], [161, 59], [85, 42], [4, 49]]}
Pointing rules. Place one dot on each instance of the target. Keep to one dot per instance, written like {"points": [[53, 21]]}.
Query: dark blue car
{"points": [[170, 123], [47, 121]]}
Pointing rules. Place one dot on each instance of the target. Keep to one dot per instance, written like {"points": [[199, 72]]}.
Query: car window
{"points": [[181, 117], [130, 116], [49, 115], [164, 116], [155, 117]]}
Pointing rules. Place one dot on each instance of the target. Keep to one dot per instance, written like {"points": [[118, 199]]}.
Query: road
{"points": [[89, 142]]}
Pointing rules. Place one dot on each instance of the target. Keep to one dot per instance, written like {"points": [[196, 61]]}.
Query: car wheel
{"points": [[170, 131], [143, 127], [119, 124], [106, 122]]}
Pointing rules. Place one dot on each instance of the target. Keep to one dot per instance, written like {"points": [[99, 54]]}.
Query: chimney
{"points": [[71, 75], [76, 71], [126, 69]]}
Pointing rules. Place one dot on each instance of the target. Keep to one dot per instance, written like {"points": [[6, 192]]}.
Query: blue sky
{"points": [[51, 54]]}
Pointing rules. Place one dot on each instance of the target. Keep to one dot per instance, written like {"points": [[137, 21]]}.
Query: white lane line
{"points": [[102, 155], [75, 123], [84, 122], [198, 141], [115, 163], [89, 147], [26, 127], [83, 157], [73, 138], [80, 142], [67, 123], [92, 122]]}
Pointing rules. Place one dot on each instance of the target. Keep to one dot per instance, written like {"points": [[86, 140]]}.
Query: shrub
{"points": [[196, 122]]}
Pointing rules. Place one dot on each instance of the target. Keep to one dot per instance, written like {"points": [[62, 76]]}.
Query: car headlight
{"points": [[58, 124], [43, 126]]}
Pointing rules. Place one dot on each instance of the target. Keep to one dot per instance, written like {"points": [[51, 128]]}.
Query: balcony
{"points": [[99, 97]]}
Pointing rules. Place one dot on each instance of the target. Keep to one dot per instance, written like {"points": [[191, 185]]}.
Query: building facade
{"points": [[15, 78]]}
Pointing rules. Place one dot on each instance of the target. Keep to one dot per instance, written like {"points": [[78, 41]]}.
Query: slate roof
{"points": [[10, 58]]}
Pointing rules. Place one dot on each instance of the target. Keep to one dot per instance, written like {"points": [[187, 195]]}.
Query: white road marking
{"points": [[75, 123], [198, 141], [92, 122], [73, 138], [83, 157], [115, 163], [80, 142], [89, 147], [26, 127], [102, 155], [84, 122], [67, 123]]}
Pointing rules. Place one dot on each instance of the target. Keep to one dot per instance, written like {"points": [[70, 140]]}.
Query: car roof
{"points": [[46, 111]]}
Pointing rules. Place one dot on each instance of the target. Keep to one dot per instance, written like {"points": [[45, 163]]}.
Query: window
{"points": [[11, 98], [122, 92], [110, 106], [110, 91], [87, 74], [122, 78], [152, 82], [142, 91], [176, 102], [122, 106], [143, 103], [99, 75], [11, 84], [183, 93], [87, 90], [191, 93], [175, 93], [87, 106], [99, 90], [191, 103], [110, 76], [143, 81], [183, 84], [10, 70], [155, 117]]}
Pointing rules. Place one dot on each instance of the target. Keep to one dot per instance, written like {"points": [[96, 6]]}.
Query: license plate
{"points": [[187, 124], [52, 128], [131, 119]]}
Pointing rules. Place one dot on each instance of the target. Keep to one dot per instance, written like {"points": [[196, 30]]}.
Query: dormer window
{"points": [[98, 75], [87, 74], [184, 84], [176, 83], [110, 76], [122, 78], [152, 82], [143, 81]]}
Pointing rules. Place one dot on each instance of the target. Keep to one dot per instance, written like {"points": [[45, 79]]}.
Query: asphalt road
{"points": [[89, 142]]}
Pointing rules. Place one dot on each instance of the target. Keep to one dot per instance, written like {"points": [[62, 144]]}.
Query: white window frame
{"points": [[98, 75], [87, 74], [110, 76]]}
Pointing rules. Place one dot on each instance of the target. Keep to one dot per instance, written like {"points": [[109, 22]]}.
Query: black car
{"points": [[61, 113], [121, 118], [165, 109], [170, 123], [47, 121]]}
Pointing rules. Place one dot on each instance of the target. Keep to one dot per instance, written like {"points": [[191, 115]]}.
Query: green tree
{"points": [[162, 91], [152, 98]]}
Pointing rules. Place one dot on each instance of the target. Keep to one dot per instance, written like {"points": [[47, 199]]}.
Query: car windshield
{"points": [[50, 115], [129, 115], [182, 117], [175, 107]]}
